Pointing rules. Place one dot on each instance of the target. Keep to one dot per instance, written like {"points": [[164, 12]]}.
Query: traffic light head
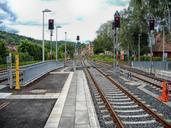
{"points": [[117, 21], [78, 37], [51, 24], [151, 24]]}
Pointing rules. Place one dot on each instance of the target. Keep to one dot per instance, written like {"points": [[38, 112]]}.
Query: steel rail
{"points": [[145, 107], [147, 81], [113, 114]]}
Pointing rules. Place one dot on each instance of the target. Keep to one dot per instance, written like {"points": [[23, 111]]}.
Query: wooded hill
{"points": [[31, 49]]}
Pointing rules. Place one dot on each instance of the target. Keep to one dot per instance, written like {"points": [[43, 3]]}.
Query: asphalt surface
{"points": [[25, 113], [51, 83], [31, 113]]}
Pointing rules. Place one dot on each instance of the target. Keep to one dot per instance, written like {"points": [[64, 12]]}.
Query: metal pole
{"points": [[151, 52], [65, 48], [75, 56], [139, 47], [11, 76], [117, 45], [114, 42], [56, 44], [51, 44], [163, 44], [43, 43]]}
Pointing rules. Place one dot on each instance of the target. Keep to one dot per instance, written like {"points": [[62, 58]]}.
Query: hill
{"points": [[31, 49]]}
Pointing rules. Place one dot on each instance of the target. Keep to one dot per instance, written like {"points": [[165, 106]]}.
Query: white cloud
{"points": [[93, 13]]}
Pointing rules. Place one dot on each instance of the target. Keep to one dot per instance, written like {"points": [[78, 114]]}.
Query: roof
{"points": [[158, 47]]}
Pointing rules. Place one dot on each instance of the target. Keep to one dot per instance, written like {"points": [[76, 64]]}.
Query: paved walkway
{"points": [[74, 107]]}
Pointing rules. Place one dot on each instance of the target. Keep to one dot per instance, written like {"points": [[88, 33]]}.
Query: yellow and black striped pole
{"points": [[17, 72]]}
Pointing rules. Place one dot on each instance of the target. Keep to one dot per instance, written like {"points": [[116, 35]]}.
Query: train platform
{"points": [[60, 99], [74, 107]]}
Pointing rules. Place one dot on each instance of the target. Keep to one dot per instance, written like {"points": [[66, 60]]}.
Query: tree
{"points": [[3, 52], [134, 21], [103, 42], [33, 50]]}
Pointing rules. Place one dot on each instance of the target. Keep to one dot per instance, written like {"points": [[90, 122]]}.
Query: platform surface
{"points": [[74, 107]]}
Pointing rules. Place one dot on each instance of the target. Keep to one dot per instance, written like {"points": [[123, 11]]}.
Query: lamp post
{"points": [[57, 42], [43, 43], [65, 48]]}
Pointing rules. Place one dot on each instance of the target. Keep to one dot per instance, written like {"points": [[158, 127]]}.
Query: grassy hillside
{"points": [[31, 49]]}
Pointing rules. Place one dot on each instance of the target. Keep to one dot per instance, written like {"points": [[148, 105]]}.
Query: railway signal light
{"points": [[51, 24], [117, 20], [78, 38], [151, 23]]}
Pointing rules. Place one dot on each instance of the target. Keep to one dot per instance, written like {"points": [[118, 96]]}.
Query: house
{"points": [[158, 47]]}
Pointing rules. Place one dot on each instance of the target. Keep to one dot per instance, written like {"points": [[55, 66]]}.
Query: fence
{"points": [[35, 71], [156, 66]]}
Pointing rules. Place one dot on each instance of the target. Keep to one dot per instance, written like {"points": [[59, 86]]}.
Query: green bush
{"points": [[157, 58], [105, 58], [145, 58], [25, 57]]}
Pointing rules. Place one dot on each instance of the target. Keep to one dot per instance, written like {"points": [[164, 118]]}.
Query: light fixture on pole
{"points": [[43, 43], [57, 42]]}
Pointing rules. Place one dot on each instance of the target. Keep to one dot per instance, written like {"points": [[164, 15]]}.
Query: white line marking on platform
{"points": [[59, 72], [54, 118], [4, 95], [46, 96], [2, 86]]}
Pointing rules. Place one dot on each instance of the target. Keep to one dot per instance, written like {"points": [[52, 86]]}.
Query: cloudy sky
{"points": [[77, 17]]}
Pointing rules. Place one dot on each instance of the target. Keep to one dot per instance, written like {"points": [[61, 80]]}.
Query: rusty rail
{"points": [[113, 114], [147, 81], [146, 108]]}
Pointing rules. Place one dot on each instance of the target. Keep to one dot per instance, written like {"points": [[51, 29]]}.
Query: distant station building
{"points": [[158, 47], [88, 50]]}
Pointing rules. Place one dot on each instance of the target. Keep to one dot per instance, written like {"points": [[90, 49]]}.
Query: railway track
{"points": [[3, 75], [140, 75], [121, 108]]}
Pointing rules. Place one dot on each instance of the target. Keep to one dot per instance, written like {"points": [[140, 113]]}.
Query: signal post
{"points": [[115, 27], [151, 29], [51, 28]]}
